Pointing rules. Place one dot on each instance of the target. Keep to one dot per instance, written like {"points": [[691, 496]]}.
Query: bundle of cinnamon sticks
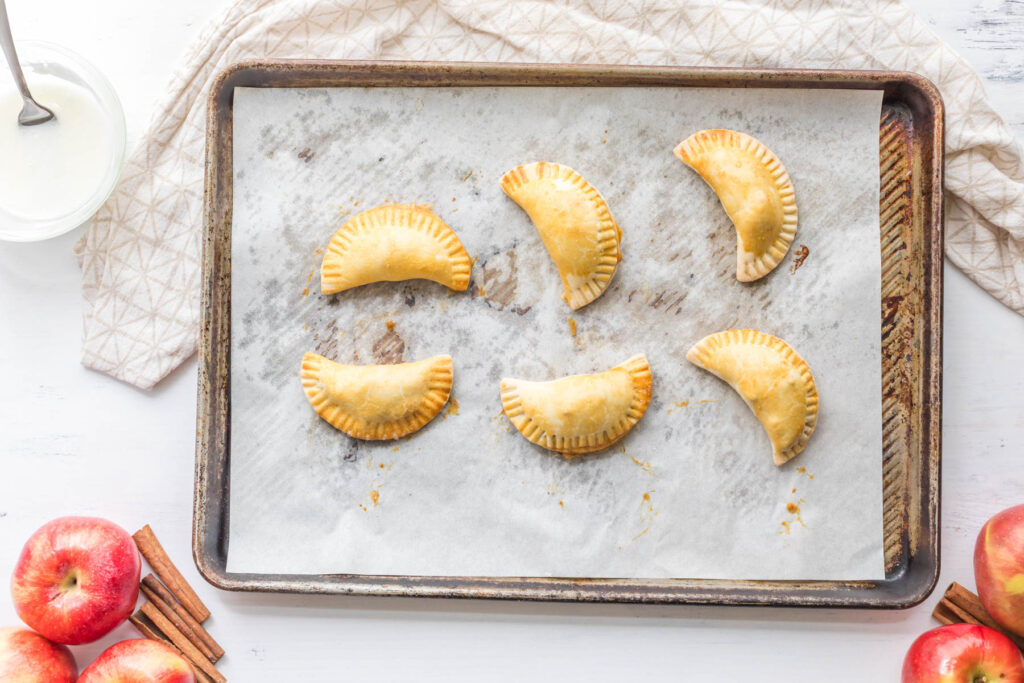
{"points": [[173, 614], [961, 606]]}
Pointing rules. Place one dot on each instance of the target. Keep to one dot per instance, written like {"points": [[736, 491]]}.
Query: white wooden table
{"points": [[76, 442]]}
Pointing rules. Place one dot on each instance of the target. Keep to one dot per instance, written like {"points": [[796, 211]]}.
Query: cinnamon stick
{"points": [[187, 648], [153, 585], [201, 677], [179, 623], [140, 622], [962, 615], [961, 606], [157, 558], [971, 603]]}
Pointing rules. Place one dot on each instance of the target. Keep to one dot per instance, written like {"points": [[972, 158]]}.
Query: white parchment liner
{"points": [[692, 491]]}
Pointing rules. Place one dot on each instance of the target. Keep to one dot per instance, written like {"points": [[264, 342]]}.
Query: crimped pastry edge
{"points": [[701, 352], [406, 216], [359, 427], [640, 372], [748, 270], [609, 234]]}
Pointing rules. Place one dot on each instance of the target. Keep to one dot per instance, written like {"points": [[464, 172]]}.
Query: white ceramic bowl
{"points": [[39, 58]]}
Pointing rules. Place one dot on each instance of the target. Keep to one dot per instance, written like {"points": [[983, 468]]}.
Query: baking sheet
{"points": [[692, 491]]}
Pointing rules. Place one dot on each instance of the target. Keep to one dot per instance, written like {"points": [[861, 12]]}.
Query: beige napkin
{"points": [[140, 259]]}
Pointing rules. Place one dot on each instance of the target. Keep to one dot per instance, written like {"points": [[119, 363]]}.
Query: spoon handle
{"points": [[7, 43]]}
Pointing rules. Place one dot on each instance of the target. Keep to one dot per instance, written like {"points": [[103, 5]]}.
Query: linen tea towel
{"points": [[141, 256]]}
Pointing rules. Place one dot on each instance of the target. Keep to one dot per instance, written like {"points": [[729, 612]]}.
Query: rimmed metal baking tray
{"points": [[910, 175]]}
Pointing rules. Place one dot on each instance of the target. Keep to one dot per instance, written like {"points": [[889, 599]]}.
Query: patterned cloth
{"points": [[141, 257]]}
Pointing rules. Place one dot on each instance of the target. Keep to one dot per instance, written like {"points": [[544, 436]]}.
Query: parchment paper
{"points": [[692, 491]]}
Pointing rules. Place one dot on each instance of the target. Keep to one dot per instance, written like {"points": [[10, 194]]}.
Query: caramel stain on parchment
{"points": [[803, 470], [678, 404], [389, 348], [647, 513], [390, 324], [375, 496], [708, 400], [468, 176], [572, 327], [645, 466], [309, 280], [561, 504], [453, 408], [799, 257], [793, 508]]}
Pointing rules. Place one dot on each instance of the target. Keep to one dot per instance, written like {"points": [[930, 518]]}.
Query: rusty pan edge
{"points": [[918, 574]]}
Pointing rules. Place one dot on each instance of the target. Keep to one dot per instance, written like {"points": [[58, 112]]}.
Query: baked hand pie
{"points": [[773, 380], [574, 223], [391, 243], [377, 402], [755, 190], [582, 413]]}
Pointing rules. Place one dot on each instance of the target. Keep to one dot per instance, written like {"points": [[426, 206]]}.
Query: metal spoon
{"points": [[32, 113]]}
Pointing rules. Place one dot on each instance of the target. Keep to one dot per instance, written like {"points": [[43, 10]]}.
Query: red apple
{"points": [[76, 579], [999, 568], [138, 661], [27, 657], [963, 653]]}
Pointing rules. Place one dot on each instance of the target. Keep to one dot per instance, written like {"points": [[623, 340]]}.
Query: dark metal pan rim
{"points": [[911, 147]]}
